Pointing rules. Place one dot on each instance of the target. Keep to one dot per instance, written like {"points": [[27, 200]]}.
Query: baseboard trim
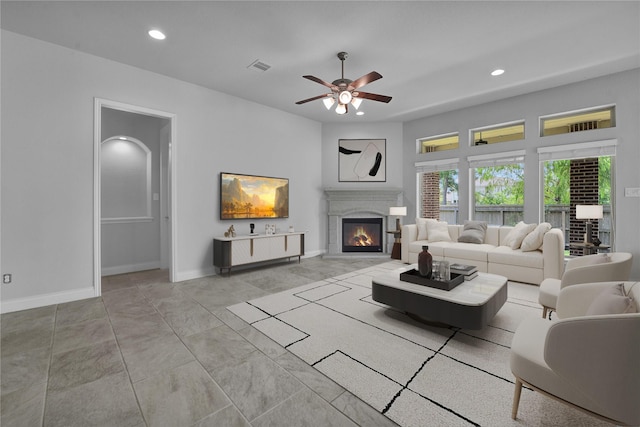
{"points": [[130, 268], [27, 303]]}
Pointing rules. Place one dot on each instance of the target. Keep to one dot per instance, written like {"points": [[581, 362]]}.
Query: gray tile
{"points": [[218, 347], [230, 319], [262, 342], [228, 416], [24, 340], [80, 311], [160, 291], [180, 396], [83, 365], [23, 407], [360, 412], [189, 322], [25, 369], [152, 356], [310, 376], [305, 408], [257, 384], [27, 319], [82, 334], [140, 328], [106, 401]]}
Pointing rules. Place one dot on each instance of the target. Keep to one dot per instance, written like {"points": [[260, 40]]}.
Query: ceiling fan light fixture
{"points": [[328, 102], [345, 97], [341, 109], [356, 102]]}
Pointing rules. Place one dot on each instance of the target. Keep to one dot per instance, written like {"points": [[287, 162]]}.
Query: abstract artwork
{"points": [[361, 160]]}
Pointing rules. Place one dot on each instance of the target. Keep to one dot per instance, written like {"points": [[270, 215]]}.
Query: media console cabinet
{"points": [[231, 252]]}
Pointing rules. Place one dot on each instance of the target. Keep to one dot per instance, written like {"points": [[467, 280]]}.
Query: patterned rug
{"points": [[415, 374]]}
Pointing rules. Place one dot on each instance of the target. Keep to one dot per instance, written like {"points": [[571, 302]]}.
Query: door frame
{"points": [[99, 103]]}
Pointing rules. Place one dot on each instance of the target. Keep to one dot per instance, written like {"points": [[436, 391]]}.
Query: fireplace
{"points": [[362, 235]]}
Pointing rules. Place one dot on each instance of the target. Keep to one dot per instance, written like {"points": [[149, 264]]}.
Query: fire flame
{"points": [[360, 237]]}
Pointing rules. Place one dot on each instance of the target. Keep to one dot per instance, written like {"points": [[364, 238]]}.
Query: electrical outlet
{"points": [[6, 278], [632, 192]]}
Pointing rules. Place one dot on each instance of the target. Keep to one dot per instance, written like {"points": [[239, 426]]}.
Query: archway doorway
{"points": [[155, 226]]}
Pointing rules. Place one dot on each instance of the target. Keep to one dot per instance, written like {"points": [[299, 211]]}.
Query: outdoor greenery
{"points": [[504, 185]]}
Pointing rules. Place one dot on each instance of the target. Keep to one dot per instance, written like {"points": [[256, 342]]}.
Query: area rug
{"points": [[413, 373]]}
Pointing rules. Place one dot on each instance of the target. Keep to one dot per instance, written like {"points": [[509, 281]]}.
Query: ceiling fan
{"points": [[345, 91]]}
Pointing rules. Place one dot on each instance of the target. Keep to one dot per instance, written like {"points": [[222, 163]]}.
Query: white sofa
{"points": [[492, 256]]}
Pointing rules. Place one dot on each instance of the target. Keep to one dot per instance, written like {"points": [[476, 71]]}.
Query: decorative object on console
{"points": [[253, 196], [252, 227], [362, 160], [589, 212], [398, 211], [231, 232], [270, 229], [291, 229]]}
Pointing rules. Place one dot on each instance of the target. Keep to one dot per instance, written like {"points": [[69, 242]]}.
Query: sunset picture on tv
{"points": [[253, 197]]}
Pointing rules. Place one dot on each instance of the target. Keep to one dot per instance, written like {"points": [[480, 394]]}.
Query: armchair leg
{"points": [[516, 398], [544, 312]]}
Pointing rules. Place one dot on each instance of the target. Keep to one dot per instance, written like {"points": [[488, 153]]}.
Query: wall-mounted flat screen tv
{"points": [[253, 197]]}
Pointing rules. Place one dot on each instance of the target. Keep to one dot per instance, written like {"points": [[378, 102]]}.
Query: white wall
{"points": [[332, 132], [47, 164], [621, 89]]}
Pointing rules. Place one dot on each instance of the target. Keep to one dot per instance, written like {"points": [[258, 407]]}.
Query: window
{"points": [[438, 143], [438, 190], [578, 174], [499, 133], [577, 121], [498, 187]]}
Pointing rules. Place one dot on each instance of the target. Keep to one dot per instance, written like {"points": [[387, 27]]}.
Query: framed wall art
{"points": [[362, 160]]}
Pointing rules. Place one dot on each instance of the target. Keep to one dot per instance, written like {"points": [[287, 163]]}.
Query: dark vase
{"points": [[425, 262]]}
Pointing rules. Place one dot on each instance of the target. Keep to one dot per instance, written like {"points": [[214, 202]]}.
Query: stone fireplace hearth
{"points": [[360, 203]]}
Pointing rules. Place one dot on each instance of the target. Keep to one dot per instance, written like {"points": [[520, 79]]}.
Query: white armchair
{"points": [[585, 269], [590, 362]]}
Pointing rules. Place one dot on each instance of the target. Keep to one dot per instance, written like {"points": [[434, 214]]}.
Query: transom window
{"points": [[499, 133], [438, 143], [578, 121]]}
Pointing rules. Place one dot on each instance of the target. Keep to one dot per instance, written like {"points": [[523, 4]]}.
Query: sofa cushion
{"points": [[533, 241], [517, 234], [438, 231], [612, 300], [506, 255], [436, 249], [476, 252], [473, 232]]}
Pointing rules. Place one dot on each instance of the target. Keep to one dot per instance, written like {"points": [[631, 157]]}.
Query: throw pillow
{"points": [[438, 231], [612, 301], [533, 241], [421, 223], [517, 234], [473, 232]]}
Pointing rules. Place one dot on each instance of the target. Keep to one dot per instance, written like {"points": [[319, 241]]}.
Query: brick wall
{"points": [[583, 191], [430, 191]]}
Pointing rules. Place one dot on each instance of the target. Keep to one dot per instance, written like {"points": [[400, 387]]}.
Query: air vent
{"points": [[258, 65]]}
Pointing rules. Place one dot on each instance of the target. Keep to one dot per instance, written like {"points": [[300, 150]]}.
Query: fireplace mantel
{"points": [[357, 202]]}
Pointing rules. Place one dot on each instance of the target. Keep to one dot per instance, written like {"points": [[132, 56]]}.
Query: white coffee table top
{"points": [[475, 292]]}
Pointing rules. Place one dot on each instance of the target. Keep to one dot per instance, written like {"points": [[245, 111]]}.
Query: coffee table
{"points": [[470, 305]]}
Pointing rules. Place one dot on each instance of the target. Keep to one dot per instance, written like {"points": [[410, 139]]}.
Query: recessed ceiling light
{"points": [[360, 113], [157, 34], [497, 72]]}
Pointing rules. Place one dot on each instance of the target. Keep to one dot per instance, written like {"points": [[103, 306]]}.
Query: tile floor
{"points": [[154, 353]]}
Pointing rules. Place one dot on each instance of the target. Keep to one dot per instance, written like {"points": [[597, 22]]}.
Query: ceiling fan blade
{"points": [[304, 101], [366, 79], [322, 82], [372, 96]]}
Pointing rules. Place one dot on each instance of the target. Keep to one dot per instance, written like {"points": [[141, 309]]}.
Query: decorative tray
{"points": [[414, 276]]}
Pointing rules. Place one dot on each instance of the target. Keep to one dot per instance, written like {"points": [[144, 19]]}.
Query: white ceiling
{"points": [[435, 56]]}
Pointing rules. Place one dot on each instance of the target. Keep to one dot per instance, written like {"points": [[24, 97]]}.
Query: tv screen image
{"points": [[253, 196]]}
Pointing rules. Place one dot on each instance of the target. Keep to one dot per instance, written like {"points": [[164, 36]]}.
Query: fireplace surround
{"points": [[359, 203]]}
